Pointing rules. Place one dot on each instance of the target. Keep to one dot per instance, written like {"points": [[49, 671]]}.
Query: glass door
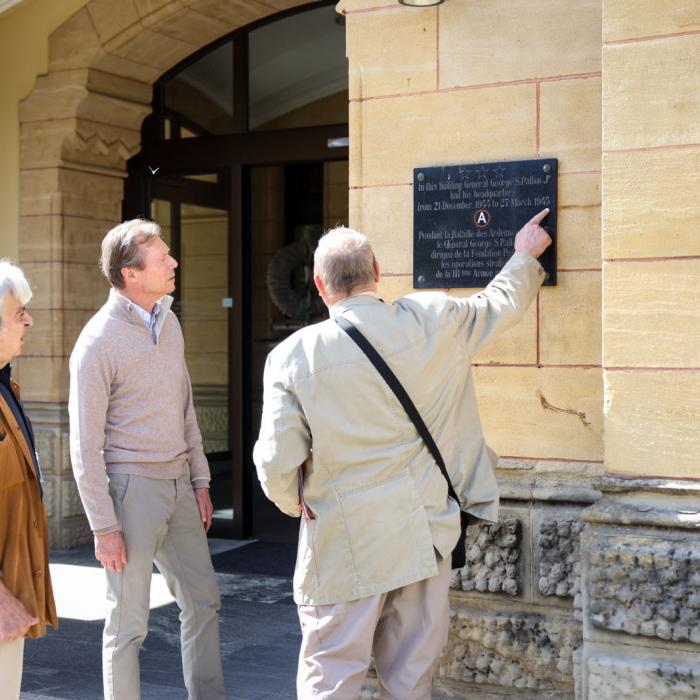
{"points": [[193, 213]]}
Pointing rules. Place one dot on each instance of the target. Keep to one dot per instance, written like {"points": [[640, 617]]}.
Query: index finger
{"points": [[538, 217]]}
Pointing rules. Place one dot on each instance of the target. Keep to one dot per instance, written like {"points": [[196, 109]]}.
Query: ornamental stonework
{"points": [[619, 679], [558, 557], [518, 650], [493, 558], [648, 590]]}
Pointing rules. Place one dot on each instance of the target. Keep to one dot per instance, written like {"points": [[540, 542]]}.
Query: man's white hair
{"points": [[13, 283], [344, 260]]}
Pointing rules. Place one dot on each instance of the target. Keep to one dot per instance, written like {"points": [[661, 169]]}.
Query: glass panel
{"points": [[298, 71], [160, 213], [199, 99], [204, 283]]}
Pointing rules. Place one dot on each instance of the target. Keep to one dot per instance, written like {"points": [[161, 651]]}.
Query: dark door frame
{"points": [[232, 156]]}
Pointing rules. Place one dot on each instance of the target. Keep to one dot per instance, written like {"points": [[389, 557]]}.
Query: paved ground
{"points": [[259, 630]]}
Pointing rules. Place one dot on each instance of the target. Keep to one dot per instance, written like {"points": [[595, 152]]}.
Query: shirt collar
{"points": [[148, 319]]}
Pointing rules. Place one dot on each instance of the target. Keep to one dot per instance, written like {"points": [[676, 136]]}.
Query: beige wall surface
{"points": [[24, 54], [486, 82]]}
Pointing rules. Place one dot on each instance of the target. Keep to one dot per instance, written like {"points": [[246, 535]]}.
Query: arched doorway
{"points": [[245, 154]]}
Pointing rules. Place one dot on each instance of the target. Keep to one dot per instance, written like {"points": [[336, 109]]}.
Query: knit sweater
{"points": [[130, 406]]}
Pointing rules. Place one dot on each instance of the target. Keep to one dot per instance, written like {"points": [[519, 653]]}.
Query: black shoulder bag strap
{"points": [[458, 554]]}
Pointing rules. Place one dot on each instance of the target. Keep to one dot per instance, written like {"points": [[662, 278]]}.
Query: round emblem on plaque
{"points": [[481, 218]]}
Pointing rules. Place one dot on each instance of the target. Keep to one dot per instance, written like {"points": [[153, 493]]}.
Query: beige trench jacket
{"points": [[380, 500]]}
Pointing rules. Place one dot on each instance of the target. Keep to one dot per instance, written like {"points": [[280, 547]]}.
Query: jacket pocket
{"points": [[388, 533], [12, 469]]}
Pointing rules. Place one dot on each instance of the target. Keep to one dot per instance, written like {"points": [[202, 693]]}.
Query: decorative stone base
{"points": [[68, 526], [641, 592]]}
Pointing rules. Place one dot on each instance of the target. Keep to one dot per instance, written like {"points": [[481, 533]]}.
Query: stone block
{"points": [[570, 123], [48, 447], [39, 192], [150, 48], [235, 13], [46, 336], [204, 236], [557, 554], [191, 27], [203, 304], [632, 19], [110, 18], [43, 378], [395, 286], [646, 95], [570, 323], [69, 533], [643, 586], [444, 128], [550, 38], [541, 413], [75, 43], [509, 649], [391, 67], [54, 237], [52, 486], [493, 561], [651, 423], [651, 317], [71, 505], [205, 272], [388, 223], [578, 235], [349, 6], [209, 368], [662, 181], [517, 345], [147, 7], [616, 678]]}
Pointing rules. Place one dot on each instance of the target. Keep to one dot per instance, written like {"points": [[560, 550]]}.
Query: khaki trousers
{"points": [[161, 522], [405, 628], [11, 657]]}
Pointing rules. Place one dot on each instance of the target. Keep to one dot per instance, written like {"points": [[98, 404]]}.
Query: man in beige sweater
{"points": [[138, 461]]}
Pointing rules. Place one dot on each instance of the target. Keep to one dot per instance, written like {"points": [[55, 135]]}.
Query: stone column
{"points": [[640, 552]]}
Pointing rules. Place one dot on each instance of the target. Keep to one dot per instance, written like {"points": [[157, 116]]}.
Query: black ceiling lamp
{"points": [[420, 3]]}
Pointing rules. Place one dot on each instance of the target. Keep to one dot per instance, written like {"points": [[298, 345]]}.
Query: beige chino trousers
{"points": [[11, 658], [406, 629], [161, 522]]}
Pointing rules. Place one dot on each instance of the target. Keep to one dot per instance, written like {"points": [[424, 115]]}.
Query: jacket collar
{"points": [[353, 302]]}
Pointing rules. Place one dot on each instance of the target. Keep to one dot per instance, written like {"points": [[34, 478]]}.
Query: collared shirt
{"points": [[150, 319], [21, 418]]}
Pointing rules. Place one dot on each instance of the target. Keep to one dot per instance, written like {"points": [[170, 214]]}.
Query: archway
{"points": [[78, 128]]}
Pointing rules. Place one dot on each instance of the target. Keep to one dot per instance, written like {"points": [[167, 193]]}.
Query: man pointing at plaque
{"points": [[378, 527]]}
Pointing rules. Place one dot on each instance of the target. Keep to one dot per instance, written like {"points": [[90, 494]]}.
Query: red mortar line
{"points": [[660, 259], [537, 120], [652, 369], [554, 459], [533, 365], [481, 86], [581, 172], [643, 149], [390, 184], [437, 47], [639, 39], [580, 269], [371, 9]]}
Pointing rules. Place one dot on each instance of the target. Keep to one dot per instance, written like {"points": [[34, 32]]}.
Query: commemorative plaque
{"points": [[465, 218]]}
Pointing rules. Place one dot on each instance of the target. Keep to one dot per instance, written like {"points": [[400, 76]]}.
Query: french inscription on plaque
{"points": [[465, 218]]}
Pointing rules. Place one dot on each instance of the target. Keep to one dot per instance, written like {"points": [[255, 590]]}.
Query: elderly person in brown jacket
{"points": [[26, 600]]}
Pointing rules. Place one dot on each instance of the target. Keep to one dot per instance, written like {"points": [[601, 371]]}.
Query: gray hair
{"points": [[344, 260], [122, 247], [13, 283]]}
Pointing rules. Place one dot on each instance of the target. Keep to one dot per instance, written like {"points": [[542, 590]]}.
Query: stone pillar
{"points": [[640, 552], [71, 189], [641, 592]]}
